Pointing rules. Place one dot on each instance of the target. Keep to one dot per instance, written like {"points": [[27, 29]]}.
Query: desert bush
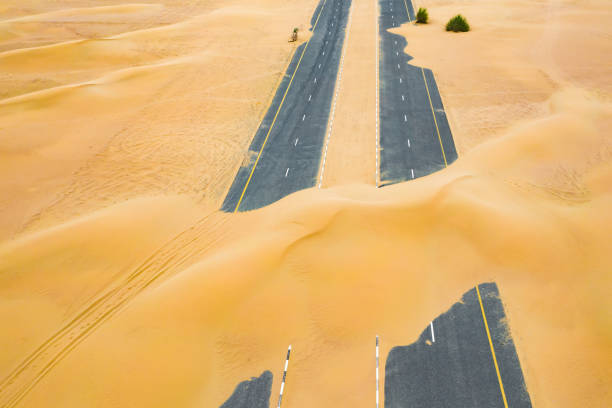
{"points": [[422, 16], [457, 23]]}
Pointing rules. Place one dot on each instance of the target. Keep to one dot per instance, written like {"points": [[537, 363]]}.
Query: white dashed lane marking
{"points": [[402, 98], [310, 97], [412, 172], [405, 118], [408, 142], [287, 172], [304, 117], [296, 140]]}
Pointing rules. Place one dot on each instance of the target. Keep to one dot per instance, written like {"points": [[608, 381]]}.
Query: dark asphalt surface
{"points": [[253, 393], [291, 156], [412, 143], [457, 370]]}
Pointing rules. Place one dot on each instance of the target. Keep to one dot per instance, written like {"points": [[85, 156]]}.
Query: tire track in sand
{"points": [[173, 255]]}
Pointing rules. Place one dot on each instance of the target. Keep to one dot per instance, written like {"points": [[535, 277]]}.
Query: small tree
{"points": [[422, 16], [457, 23]]}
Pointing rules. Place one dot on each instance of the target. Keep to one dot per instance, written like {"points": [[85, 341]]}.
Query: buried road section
{"points": [[463, 358], [285, 153]]}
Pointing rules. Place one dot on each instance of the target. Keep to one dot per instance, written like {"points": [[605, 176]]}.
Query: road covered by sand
{"points": [[122, 126]]}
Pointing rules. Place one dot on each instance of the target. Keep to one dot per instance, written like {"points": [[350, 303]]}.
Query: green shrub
{"points": [[457, 23], [422, 16]]}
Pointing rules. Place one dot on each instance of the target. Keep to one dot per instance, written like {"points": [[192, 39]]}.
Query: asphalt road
{"points": [[253, 393], [415, 138], [457, 369], [285, 153]]}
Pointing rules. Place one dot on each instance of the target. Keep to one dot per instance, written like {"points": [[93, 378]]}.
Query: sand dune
{"points": [[119, 275], [336, 266]]}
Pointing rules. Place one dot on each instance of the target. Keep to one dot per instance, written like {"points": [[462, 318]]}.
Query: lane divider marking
{"points": [[484, 319], [277, 111], [434, 118], [280, 397], [338, 85], [433, 336]]}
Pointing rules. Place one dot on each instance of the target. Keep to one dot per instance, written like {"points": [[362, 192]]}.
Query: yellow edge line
{"points": [[406, 5], [484, 318], [434, 118], [277, 111]]}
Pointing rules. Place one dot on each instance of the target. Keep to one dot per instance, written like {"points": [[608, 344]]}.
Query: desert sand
{"points": [[122, 126]]}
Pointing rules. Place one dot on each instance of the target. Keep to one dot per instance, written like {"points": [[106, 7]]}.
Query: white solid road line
{"points": [[376, 40], [287, 172], [412, 172], [280, 397], [433, 337], [338, 84]]}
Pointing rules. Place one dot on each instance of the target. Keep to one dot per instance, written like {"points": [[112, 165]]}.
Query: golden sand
{"points": [[113, 165]]}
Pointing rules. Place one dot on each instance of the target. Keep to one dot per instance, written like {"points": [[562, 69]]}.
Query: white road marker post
{"points": [[377, 378], [280, 397]]}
